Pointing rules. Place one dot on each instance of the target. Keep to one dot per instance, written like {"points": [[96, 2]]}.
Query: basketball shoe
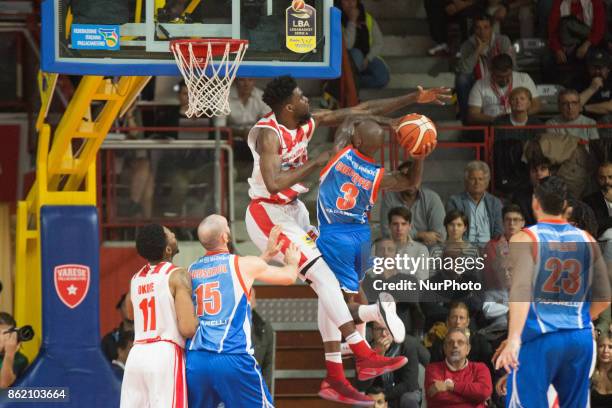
{"points": [[375, 365], [340, 390]]}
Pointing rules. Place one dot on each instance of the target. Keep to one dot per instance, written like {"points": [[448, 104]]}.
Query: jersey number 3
{"points": [[350, 197], [208, 298]]}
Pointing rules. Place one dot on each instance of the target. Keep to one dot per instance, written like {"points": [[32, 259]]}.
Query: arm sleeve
{"points": [[554, 42], [479, 389], [599, 22], [350, 34], [377, 41]]}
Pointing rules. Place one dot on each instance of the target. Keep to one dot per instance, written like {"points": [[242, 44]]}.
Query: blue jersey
{"points": [[221, 304], [348, 188], [562, 279]]}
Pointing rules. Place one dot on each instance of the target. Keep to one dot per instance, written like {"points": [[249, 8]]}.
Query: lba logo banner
{"points": [[71, 283], [95, 37]]}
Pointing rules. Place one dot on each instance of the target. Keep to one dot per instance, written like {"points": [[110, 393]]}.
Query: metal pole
{"points": [[218, 122]]}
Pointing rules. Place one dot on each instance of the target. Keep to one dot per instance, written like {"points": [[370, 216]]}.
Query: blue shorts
{"points": [[234, 379], [564, 359], [346, 248]]}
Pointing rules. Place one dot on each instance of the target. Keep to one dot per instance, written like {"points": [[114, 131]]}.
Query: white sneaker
{"points": [[389, 317], [438, 48]]}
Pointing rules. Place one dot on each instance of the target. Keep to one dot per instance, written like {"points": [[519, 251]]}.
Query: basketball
{"points": [[297, 5], [415, 131]]}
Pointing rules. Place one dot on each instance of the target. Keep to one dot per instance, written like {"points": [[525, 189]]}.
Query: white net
{"points": [[208, 79]]}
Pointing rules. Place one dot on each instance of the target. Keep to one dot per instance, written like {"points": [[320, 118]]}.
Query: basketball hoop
{"points": [[208, 79]]}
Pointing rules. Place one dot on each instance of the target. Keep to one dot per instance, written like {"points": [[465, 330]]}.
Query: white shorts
{"points": [[154, 377], [294, 221]]}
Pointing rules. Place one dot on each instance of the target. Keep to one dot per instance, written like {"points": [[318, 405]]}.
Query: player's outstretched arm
{"points": [[254, 268], [180, 286], [382, 106], [274, 177], [522, 261]]}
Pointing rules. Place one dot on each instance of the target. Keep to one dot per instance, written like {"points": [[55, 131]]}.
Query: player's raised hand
{"points": [[274, 244], [437, 96], [292, 255], [508, 357]]}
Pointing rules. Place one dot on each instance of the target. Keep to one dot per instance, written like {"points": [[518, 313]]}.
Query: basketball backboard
{"points": [[131, 37]]}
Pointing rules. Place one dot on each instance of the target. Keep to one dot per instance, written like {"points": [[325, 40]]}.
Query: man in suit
{"points": [[601, 201]]}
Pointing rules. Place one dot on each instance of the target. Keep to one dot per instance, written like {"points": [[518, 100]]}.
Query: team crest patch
{"points": [[71, 283], [308, 240]]}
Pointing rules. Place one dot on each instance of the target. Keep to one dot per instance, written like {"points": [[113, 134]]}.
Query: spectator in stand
{"points": [[247, 107], [596, 86], [456, 223], [441, 12], [262, 337], [378, 395], [457, 381], [124, 345], [511, 171], [499, 10], [427, 213], [111, 339], [407, 301], [580, 215], [497, 250], [574, 27], [12, 362], [601, 201], [459, 318], [401, 387], [477, 53], [482, 209], [400, 219], [575, 161], [601, 382], [364, 41], [490, 96], [538, 170]]}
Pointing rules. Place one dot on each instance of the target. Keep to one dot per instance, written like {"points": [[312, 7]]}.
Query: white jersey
{"points": [[293, 152], [154, 312]]}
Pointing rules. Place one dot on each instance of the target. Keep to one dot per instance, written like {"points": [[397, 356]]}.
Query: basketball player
{"points": [[559, 284], [349, 186], [220, 362], [163, 317], [279, 144]]}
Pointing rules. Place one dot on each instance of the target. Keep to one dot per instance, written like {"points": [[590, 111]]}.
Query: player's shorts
{"points": [[234, 379], [294, 221], [346, 250], [564, 359], [154, 376]]}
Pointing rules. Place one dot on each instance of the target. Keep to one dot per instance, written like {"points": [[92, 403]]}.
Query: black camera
{"points": [[24, 333]]}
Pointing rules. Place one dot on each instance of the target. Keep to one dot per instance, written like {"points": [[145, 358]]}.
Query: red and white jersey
{"points": [[293, 152], [154, 312]]}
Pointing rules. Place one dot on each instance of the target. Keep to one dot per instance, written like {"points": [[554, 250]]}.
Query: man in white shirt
{"points": [[490, 96], [246, 104]]}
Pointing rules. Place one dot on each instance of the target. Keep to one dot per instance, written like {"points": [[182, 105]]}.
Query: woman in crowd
{"points": [[364, 41], [601, 382]]}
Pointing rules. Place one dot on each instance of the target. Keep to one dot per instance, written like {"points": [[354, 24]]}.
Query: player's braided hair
{"points": [[151, 242], [278, 91]]}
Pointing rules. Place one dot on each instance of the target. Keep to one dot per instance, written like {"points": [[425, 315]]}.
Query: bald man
{"points": [[220, 362], [349, 186]]}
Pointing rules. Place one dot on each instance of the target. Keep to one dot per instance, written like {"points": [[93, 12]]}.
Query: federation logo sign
{"points": [[71, 283], [94, 37]]}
